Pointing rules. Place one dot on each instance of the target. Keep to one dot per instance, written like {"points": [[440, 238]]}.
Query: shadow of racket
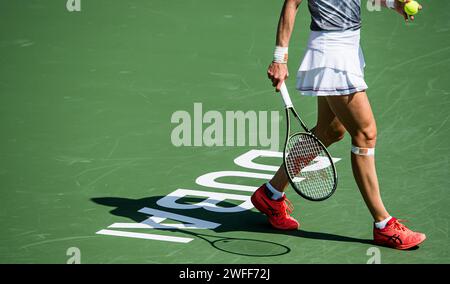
{"points": [[242, 246]]}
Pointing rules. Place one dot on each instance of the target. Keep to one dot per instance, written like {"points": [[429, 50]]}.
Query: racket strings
{"points": [[313, 183], [309, 167]]}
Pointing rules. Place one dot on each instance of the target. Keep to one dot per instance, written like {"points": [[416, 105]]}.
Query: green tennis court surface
{"points": [[86, 101]]}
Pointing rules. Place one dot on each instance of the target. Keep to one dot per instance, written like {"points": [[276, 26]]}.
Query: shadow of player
{"points": [[246, 221]]}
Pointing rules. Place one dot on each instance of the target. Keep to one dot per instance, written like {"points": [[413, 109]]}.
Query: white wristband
{"points": [[390, 4], [280, 55]]}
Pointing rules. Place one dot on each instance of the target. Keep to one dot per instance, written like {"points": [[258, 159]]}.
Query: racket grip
{"points": [[285, 95]]}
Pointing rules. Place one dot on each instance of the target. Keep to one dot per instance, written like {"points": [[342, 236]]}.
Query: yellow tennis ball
{"points": [[412, 8]]}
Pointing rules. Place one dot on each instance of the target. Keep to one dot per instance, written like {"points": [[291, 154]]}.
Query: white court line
{"points": [[144, 236]]}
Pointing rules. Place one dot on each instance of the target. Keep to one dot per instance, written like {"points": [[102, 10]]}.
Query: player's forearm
{"points": [[287, 21]]}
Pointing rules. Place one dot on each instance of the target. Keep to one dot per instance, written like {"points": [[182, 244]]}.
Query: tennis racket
{"points": [[308, 164]]}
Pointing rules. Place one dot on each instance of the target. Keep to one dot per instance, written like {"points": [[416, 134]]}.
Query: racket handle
{"points": [[285, 95]]}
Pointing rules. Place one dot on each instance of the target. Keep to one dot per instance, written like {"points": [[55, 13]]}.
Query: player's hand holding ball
{"points": [[407, 8]]}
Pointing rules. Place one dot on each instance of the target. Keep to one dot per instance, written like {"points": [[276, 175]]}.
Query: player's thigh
{"points": [[355, 113], [327, 122]]}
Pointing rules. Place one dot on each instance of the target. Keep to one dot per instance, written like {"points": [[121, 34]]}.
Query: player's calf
{"points": [[330, 135]]}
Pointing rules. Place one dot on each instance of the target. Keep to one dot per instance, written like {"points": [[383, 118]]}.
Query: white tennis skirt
{"points": [[333, 65]]}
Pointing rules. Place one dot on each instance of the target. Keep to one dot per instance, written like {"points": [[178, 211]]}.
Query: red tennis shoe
{"points": [[396, 235], [277, 210]]}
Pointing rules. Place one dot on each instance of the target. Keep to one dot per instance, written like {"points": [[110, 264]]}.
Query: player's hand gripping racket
{"points": [[308, 164]]}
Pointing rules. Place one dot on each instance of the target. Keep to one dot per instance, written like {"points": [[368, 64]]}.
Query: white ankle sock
{"points": [[275, 193], [382, 224]]}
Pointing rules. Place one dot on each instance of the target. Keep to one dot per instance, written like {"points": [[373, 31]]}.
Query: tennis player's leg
{"points": [[355, 113], [328, 129], [269, 198]]}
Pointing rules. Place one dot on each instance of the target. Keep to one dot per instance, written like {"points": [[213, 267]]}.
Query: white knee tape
{"points": [[363, 151]]}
